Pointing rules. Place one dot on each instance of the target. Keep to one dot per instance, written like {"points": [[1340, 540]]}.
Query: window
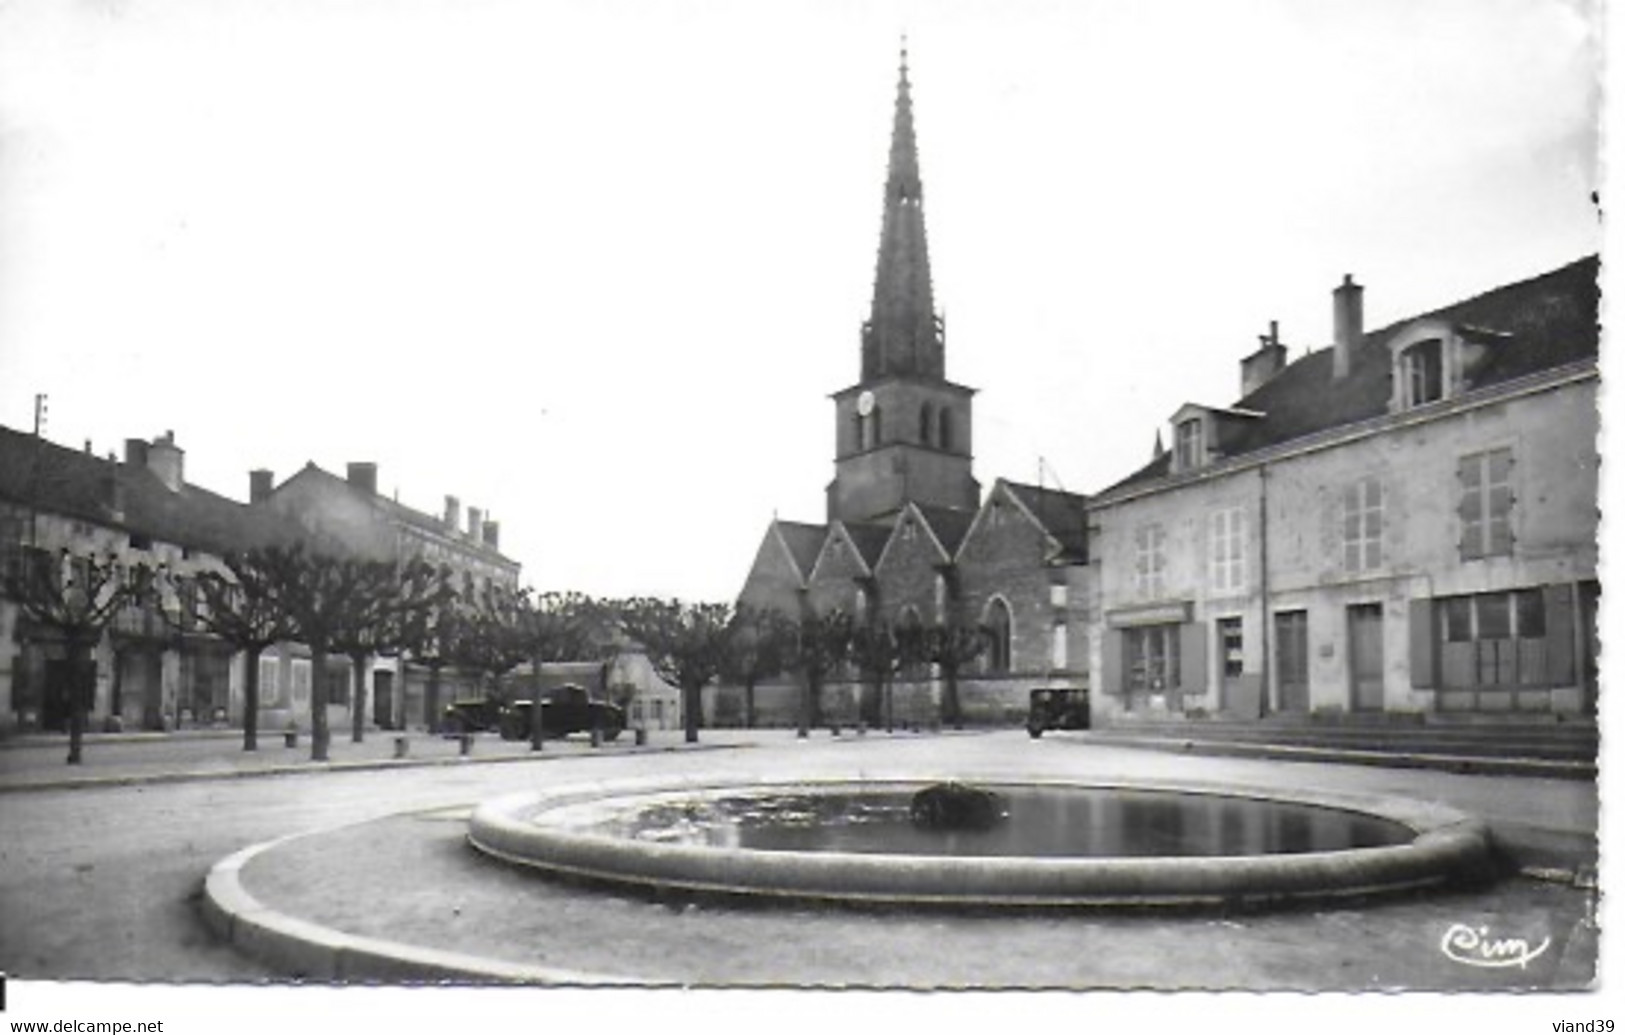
{"points": [[1188, 444], [1226, 528], [270, 689], [1492, 640], [925, 424], [1230, 647], [1362, 526], [1486, 504], [301, 681], [1151, 654], [1149, 561], [1057, 646], [945, 429], [1422, 368], [996, 634]]}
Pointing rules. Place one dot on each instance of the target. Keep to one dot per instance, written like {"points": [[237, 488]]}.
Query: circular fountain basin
{"points": [[1059, 843]]}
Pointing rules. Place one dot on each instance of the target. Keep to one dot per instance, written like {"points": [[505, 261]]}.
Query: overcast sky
{"points": [[596, 267]]}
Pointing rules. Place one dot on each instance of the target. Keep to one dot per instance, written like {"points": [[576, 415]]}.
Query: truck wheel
{"points": [[1035, 732], [609, 733]]}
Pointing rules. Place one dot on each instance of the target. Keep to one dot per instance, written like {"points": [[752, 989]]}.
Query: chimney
{"points": [[363, 476], [453, 513], [135, 452], [259, 485], [114, 489], [167, 461], [491, 529], [476, 525], [1265, 363], [1348, 324]]}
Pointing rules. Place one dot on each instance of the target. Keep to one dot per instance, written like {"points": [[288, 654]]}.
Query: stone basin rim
{"points": [[1448, 843]]}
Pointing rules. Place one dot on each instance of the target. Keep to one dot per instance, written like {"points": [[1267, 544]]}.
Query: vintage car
{"points": [[566, 709], [1057, 709]]}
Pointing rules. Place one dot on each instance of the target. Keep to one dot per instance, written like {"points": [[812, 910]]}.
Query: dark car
{"points": [[566, 709], [471, 715], [1057, 709]]}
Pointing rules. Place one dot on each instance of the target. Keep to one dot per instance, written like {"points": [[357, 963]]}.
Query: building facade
{"points": [[1404, 523]]}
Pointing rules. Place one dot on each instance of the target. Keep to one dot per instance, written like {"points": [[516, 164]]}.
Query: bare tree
{"points": [[389, 607], [817, 644], [74, 596], [686, 643], [951, 647], [553, 627], [878, 655], [240, 607], [756, 650]]}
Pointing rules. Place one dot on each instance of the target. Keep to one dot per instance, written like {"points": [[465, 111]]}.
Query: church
{"points": [[908, 537]]}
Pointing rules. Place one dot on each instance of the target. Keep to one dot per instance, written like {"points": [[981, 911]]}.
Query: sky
{"points": [[596, 267]]}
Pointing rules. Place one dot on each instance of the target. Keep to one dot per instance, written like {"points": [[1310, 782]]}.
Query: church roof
{"points": [[870, 540], [902, 336], [1551, 318], [1063, 515], [803, 541], [948, 524]]}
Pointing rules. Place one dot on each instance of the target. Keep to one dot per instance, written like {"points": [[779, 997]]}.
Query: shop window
{"points": [[1151, 658], [1492, 640]]}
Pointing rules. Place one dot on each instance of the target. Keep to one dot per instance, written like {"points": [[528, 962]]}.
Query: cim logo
{"points": [[1475, 947]]}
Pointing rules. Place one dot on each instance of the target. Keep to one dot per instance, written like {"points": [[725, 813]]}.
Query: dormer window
{"points": [[1421, 367], [1188, 444]]}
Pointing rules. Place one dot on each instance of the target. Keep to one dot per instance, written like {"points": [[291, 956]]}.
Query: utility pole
{"points": [[40, 400]]}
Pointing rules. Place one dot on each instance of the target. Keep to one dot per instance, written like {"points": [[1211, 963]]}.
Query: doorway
{"points": [[1292, 661], [1365, 657]]}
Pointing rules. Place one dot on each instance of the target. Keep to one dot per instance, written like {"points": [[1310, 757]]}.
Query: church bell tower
{"points": [[903, 432]]}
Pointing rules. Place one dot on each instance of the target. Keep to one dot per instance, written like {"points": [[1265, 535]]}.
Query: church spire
{"points": [[903, 336]]}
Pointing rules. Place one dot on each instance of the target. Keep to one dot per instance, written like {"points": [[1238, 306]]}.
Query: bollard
{"points": [[640, 737], [401, 747], [290, 738], [597, 737], [835, 731], [465, 743]]}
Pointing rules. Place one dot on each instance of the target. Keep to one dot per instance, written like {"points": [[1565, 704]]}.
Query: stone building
{"points": [[354, 518], [1405, 523], [152, 671], [908, 539]]}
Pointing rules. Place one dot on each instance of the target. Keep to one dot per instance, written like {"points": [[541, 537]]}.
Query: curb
{"points": [[309, 951], [312, 768], [1478, 765]]}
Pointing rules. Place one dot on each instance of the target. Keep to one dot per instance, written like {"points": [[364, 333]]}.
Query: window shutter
{"points": [[1423, 638], [1111, 662], [1193, 658], [1560, 634]]}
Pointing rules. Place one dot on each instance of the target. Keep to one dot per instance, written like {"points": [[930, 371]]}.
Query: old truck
{"points": [[566, 709]]}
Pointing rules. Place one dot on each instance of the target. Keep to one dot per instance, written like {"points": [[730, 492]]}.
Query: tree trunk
{"points": [[318, 704], [251, 698], [81, 685], [536, 704], [431, 699], [358, 697], [950, 696], [886, 699], [750, 702], [691, 714]]}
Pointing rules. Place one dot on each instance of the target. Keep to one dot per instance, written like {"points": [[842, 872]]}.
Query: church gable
{"points": [[775, 578], [839, 574], [1004, 529], [909, 568]]}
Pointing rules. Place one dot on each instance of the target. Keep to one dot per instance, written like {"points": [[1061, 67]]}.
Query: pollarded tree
{"points": [[756, 650], [491, 638], [75, 597], [685, 642], [323, 597], [878, 656], [815, 647], [239, 606], [553, 627], [951, 647], [383, 621]]}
